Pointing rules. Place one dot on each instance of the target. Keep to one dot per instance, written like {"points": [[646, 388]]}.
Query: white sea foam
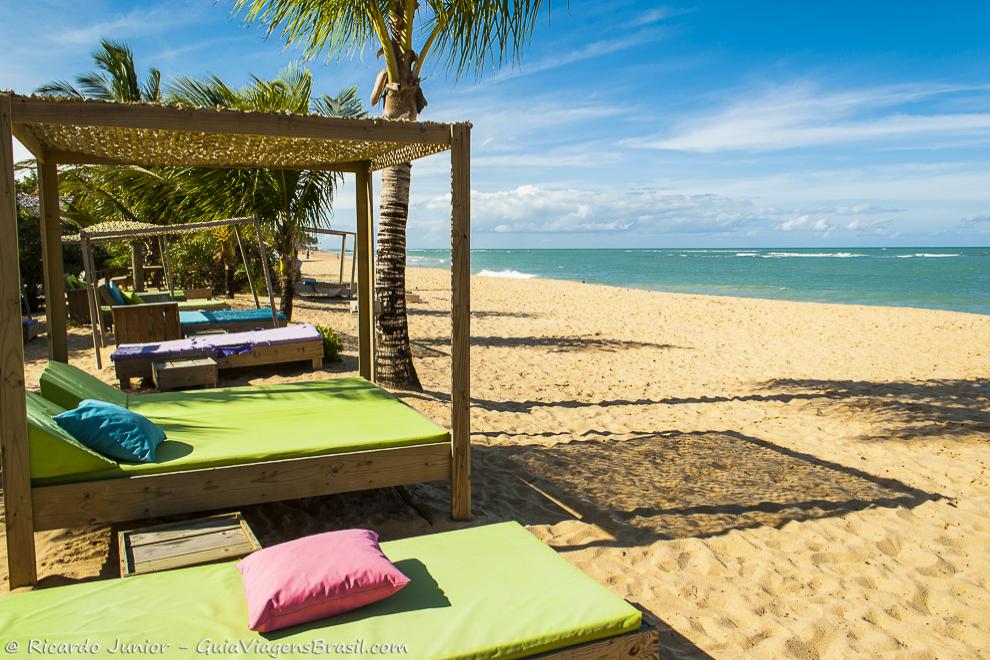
{"points": [[818, 255], [506, 274], [934, 255], [747, 254]]}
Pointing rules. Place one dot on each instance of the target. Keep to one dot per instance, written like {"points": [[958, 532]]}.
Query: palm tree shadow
{"points": [[908, 410], [645, 487]]}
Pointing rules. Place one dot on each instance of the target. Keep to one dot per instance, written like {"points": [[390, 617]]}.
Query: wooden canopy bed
{"points": [[73, 132]]}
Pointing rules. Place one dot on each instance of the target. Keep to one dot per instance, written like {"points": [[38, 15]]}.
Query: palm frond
{"points": [[334, 27], [59, 88], [346, 104]]}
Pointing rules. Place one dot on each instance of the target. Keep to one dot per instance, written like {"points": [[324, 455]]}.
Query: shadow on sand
{"points": [[645, 487], [909, 409]]}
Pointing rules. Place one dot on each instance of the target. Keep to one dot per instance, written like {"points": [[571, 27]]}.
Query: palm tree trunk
{"points": [[393, 355], [394, 365], [287, 256]]}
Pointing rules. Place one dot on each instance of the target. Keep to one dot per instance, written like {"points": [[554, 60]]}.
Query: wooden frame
{"points": [[348, 287], [87, 238], [370, 144], [220, 537], [154, 495], [643, 643], [307, 351], [137, 324]]}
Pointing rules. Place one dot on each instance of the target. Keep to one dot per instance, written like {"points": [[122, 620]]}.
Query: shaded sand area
{"points": [[771, 479]]}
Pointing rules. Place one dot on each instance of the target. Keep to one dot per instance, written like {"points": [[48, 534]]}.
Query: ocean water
{"points": [[938, 278]]}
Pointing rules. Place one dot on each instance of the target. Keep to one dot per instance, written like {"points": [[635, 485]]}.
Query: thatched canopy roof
{"points": [[85, 131], [128, 230]]}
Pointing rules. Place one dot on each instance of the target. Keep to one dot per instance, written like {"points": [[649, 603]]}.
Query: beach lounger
{"points": [[486, 592], [227, 447], [231, 320], [294, 343]]}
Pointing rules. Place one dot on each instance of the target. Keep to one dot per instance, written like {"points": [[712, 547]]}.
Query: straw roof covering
{"points": [[87, 131], [131, 230]]}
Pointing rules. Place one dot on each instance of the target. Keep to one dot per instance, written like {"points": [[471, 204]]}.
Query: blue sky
{"points": [[640, 124]]}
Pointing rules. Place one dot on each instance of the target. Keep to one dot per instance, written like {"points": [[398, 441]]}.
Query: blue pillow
{"points": [[112, 430], [115, 293]]}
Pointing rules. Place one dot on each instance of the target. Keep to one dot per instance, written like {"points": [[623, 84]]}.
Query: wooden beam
{"points": [[14, 458], [137, 264], [32, 110], [51, 257], [267, 271], [247, 267], [95, 316], [28, 139], [117, 500], [366, 275], [166, 230], [460, 312], [75, 158]]}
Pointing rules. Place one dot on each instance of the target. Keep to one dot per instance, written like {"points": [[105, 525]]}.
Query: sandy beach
{"points": [[770, 479]]}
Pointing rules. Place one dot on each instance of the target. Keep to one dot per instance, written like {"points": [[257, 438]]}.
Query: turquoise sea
{"points": [[939, 278]]}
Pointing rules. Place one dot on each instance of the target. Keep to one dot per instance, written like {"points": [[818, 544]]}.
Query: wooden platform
{"points": [[188, 543], [183, 374]]}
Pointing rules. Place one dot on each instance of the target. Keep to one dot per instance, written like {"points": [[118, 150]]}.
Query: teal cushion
{"points": [[113, 431], [54, 453], [118, 297]]}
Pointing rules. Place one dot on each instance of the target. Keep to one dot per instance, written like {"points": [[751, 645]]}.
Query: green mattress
{"points": [[234, 425], [486, 592]]}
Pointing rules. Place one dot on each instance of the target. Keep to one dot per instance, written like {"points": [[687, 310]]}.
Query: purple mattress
{"points": [[215, 346]]}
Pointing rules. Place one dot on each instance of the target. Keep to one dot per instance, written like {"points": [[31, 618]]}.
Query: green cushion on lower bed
{"points": [[486, 592]]}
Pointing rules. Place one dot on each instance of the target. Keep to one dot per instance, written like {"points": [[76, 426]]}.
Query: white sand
{"points": [[771, 479]]}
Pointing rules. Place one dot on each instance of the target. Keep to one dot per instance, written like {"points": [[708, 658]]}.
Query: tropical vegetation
{"points": [[463, 36], [286, 201]]}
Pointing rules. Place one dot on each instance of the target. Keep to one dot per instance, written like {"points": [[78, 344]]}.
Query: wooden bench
{"points": [[183, 374], [139, 324]]}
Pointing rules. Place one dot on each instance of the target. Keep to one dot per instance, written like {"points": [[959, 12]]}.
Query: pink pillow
{"points": [[316, 577]]}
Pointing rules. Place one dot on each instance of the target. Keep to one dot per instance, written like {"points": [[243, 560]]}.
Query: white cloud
{"points": [[807, 222], [801, 115], [588, 51], [980, 223], [532, 209], [881, 227]]}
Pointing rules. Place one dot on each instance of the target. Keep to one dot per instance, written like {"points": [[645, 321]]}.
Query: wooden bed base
{"points": [[153, 495], [308, 351], [643, 643]]}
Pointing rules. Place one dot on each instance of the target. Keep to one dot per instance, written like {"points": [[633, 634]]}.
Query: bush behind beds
{"points": [[332, 345]]}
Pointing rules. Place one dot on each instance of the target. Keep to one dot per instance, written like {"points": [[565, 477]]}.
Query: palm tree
{"points": [[115, 80], [465, 35], [287, 201]]}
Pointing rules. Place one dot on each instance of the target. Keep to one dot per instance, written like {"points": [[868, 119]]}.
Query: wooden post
{"points": [[137, 264], [166, 267], [460, 313], [18, 517], [247, 267], [343, 253], [95, 317], [268, 271], [366, 275], [51, 257]]}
